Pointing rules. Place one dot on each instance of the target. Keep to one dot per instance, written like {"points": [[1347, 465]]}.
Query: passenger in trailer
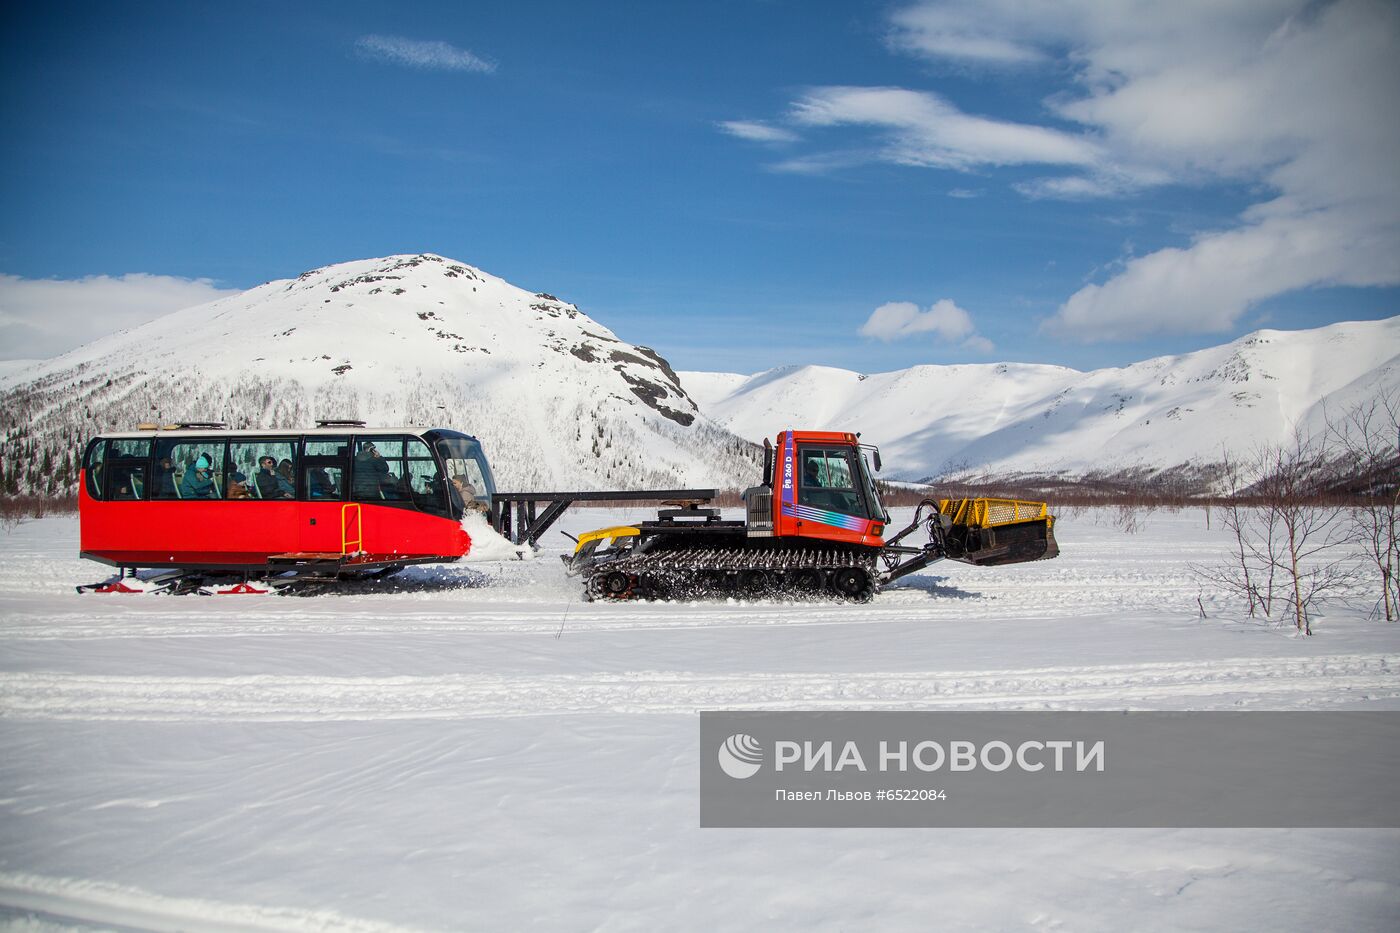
{"points": [[468, 493], [128, 484], [165, 478], [269, 482], [320, 485], [286, 479], [238, 486], [372, 474], [199, 481]]}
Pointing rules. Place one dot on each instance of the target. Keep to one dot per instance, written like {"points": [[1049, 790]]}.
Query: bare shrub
{"points": [[1369, 438], [16, 510], [1289, 528], [1131, 516]]}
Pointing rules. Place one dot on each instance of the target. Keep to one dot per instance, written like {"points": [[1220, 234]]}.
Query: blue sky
{"points": [[739, 184]]}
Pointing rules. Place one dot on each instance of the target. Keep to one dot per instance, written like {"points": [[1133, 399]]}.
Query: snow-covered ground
{"points": [[480, 750]]}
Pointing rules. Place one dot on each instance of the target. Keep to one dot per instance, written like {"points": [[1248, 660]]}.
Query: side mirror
{"points": [[877, 459]]}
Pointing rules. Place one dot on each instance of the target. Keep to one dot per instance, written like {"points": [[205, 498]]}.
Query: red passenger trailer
{"points": [[340, 500]]}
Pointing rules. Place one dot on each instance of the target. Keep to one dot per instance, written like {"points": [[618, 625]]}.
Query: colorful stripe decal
{"points": [[821, 516]]}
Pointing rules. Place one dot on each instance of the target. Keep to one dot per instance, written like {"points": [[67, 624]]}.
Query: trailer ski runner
{"points": [[814, 528]]}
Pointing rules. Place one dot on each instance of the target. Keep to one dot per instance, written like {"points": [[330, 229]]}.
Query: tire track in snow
{"points": [[69, 900], [279, 616], [1280, 683]]}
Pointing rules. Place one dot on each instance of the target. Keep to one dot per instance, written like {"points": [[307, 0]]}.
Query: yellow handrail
{"points": [[345, 539]]}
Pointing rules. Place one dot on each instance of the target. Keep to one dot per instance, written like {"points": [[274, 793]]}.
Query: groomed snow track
{"points": [[1240, 682]]}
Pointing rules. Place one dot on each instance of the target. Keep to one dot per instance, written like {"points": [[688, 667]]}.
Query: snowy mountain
{"points": [[558, 400], [1171, 413]]}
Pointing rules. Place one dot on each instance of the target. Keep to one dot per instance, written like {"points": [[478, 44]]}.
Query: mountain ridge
{"points": [[558, 399], [954, 421]]}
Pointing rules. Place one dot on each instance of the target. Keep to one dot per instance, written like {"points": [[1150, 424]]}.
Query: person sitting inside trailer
{"points": [[128, 483], [320, 484], [199, 480], [270, 485], [238, 486], [286, 479], [467, 491], [372, 477], [165, 478]]}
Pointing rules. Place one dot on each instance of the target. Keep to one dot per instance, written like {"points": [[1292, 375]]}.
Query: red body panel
{"points": [[246, 532], [792, 519]]}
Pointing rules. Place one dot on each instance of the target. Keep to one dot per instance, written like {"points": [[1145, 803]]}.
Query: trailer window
{"points": [[324, 481], [423, 478], [469, 480], [378, 469], [128, 462], [93, 468], [328, 447], [267, 469], [325, 467], [195, 469]]}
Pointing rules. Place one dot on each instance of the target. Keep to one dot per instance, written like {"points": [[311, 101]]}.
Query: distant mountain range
{"points": [[560, 401], [1172, 413]]}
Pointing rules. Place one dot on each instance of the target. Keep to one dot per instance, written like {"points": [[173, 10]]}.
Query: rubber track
{"points": [[680, 567]]}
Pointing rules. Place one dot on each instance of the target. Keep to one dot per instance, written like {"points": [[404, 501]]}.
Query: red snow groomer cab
{"points": [[340, 500]]}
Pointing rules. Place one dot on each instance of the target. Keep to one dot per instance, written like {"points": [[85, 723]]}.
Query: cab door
{"points": [[831, 503]]}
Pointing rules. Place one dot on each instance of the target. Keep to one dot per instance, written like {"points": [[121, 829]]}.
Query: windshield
{"points": [[469, 475], [836, 479], [877, 509]]}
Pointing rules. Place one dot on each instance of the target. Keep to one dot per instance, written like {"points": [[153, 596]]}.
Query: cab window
{"points": [[827, 480]]}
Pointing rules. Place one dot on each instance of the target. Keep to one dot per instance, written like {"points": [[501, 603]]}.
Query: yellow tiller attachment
{"points": [[998, 531]]}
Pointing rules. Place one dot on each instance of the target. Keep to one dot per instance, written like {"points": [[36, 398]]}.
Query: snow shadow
{"points": [[936, 587], [424, 579]]}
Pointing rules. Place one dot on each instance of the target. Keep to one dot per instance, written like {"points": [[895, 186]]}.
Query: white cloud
{"points": [[416, 53], [1102, 183], [954, 31], [896, 320], [822, 163], [1294, 96], [40, 318], [757, 131], [965, 193], [925, 130], [1207, 286]]}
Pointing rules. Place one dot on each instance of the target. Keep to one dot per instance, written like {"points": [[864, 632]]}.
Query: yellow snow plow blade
{"points": [[988, 532], [588, 543], [612, 534]]}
